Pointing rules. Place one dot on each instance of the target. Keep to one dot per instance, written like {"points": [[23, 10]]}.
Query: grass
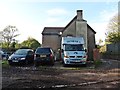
{"points": [[97, 63], [4, 63], [71, 68]]}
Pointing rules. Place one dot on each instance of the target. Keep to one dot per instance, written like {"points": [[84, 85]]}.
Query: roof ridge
{"points": [[54, 27]]}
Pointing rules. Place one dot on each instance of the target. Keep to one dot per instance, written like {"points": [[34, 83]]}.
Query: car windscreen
{"points": [[43, 50], [71, 47], [21, 52]]}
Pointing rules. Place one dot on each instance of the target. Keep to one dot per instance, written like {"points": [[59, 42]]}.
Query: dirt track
{"points": [[107, 75]]}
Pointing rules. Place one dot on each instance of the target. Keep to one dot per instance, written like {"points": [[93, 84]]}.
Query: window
{"points": [[43, 50], [21, 52], [70, 47]]}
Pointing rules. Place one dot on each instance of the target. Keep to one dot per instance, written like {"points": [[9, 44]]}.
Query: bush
{"points": [[97, 63], [5, 63]]}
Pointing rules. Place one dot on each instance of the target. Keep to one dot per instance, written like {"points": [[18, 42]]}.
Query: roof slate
{"points": [[52, 29]]}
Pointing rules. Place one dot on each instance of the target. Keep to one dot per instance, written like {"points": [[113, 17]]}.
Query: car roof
{"points": [[26, 49], [44, 47]]}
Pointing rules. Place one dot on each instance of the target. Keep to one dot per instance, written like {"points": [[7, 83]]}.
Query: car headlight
{"points": [[22, 58], [9, 58]]}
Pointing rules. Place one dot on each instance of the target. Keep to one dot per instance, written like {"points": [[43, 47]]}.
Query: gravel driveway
{"points": [[104, 76]]}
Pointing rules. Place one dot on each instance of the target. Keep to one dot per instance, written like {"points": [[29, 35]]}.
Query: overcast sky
{"points": [[31, 16]]}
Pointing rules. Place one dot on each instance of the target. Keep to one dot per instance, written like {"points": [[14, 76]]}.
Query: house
{"points": [[51, 36]]}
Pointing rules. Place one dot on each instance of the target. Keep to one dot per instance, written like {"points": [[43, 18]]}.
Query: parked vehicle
{"points": [[73, 51], [3, 55], [24, 56], [44, 56]]}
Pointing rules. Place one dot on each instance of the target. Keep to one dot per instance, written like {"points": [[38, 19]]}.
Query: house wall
{"points": [[91, 43], [52, 41], [81, 30], [70, 30]]}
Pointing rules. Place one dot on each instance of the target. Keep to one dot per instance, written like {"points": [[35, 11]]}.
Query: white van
{"points": [[73, 51]]}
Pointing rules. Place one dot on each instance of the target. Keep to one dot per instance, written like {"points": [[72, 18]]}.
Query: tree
{"points": [[18, 45], [113, 34], [100, 42], [8, 35], [31, 43]]}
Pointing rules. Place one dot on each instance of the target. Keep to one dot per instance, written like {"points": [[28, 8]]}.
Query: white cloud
{"points": [[51, 20], [100, 25], [25, 27], [30, 30], [100, 29], [56, 12], [106, 15], [54, 16]]}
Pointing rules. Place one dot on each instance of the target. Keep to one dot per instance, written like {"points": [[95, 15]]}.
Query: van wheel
{"points": [[84, 65], [64, 65]]}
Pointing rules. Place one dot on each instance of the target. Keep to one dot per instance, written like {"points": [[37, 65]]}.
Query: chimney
{"points": [[79, 15]]}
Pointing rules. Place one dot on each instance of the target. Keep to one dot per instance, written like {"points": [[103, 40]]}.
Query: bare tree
{"points": [[8, 34]]}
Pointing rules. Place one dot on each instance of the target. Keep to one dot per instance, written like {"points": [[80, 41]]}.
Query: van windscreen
{"points": [[71, 47]]}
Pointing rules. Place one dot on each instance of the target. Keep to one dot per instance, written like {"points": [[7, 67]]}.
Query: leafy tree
{"points": [[31, 43], [114, 37], [13, 44], [8, 35], [103, 49], [113, 34], [18, 45]]}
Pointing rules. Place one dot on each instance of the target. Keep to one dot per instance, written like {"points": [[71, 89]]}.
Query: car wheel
{"points": [[10, 63], [36, 64], [52, 64], [26, 62], [85, 65]]}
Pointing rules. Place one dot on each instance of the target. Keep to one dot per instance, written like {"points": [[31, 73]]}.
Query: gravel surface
{"points": [[106, 75]]}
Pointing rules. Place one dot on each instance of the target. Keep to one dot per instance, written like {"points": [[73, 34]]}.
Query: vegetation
{"points": [[97, 63], [8, 35], [4, 63], [113, 34], [31, 43], [9, 43], [103, 49]]}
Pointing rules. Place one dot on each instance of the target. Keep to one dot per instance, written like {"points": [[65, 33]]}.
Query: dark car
{"points": [[4, 55], [24, 56], [44, 56]]}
